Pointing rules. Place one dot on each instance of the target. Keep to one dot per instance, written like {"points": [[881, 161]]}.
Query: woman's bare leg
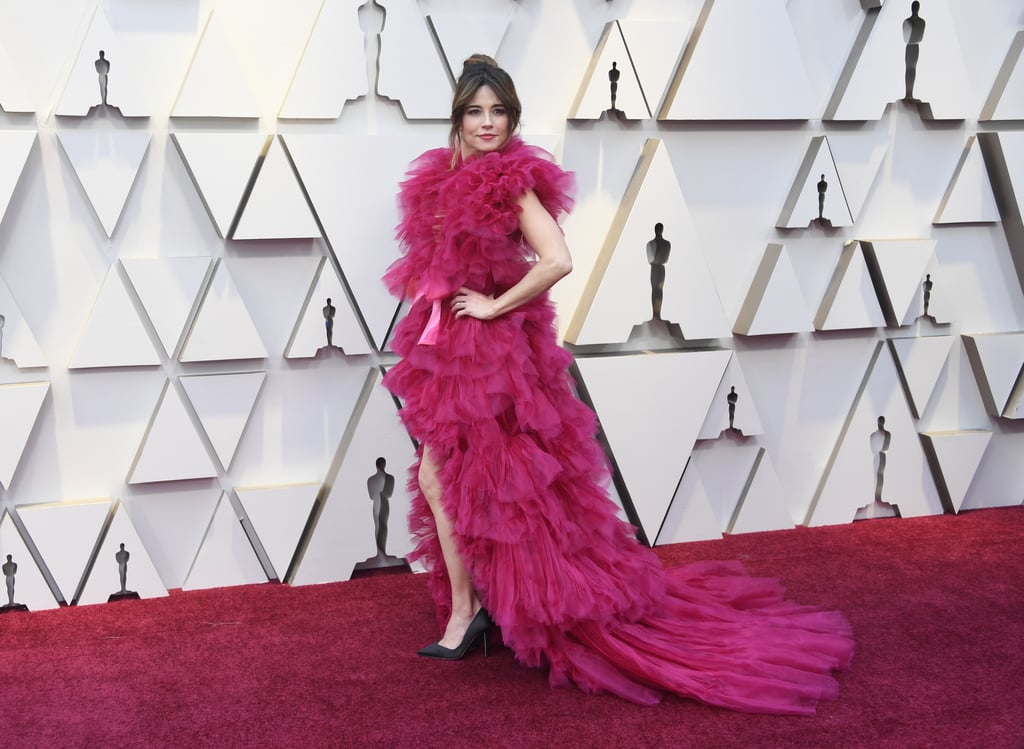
{"points": [[465, 602]]}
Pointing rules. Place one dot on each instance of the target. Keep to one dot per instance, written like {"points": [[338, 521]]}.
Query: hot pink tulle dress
{"points": [[524, 478]]}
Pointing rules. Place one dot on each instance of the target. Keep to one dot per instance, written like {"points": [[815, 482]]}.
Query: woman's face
{"points": [[484, 124]]}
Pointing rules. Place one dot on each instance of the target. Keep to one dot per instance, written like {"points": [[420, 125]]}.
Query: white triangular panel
{"points": [[690, 517], [469, 32], [226, 556], [66, 534], [278, 514], [650, 426], [310, 333], [106, 162], [171, 449], [14, 149], [1014, 408], [224, 403], [969, 198], [958, 454], [775, 302], [276, 208], [997, 360], [850, 301], [105, 578], [216, 85], [168, 288], [223, 328], [761, 507], [618, 297], [849, 480], [352, 224], [16, 340], [171, 525], [30, 587], [880, 73], [411, 69], [14, 96], [724, 467], [127, 87], [1006, 100], [655, 47], [1012, 144], [114, 335], [920, 362], [858, 159], [773, 85], [221, 165], [594, 97], [332, 70], [19, 404], [817, 178], [746, 419], [344, 534], [903, 264]]}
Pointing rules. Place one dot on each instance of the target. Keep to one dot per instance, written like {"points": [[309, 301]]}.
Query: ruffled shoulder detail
{"points": [[484, 192], [444, 209], [417, 231]]}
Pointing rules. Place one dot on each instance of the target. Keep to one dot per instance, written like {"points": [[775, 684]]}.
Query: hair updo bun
{"points": [[479, 61]]}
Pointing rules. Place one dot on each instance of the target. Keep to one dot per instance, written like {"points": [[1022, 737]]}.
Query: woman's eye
{"points": [[473, 111]]}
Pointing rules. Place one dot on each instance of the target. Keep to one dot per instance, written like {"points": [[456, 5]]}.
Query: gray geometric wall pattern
{"points": [[176, 213]]}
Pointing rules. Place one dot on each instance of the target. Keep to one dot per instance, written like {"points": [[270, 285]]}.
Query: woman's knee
{"points": [[430, 483]]}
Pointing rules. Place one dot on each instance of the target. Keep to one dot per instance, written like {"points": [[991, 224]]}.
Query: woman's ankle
{"points": [[466, 610]]}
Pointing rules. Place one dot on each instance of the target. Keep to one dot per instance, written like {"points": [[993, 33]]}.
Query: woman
{"points": [[509, 511]]}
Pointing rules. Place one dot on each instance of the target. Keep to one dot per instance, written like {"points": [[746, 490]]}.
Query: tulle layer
{"points": [[525, 481], [460, 227], [564, 578]]}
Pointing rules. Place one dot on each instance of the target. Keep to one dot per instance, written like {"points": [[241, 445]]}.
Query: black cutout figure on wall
{"points": [[821, 221], [380, 486], [822, 188], [928, 284], [880, 441], [371, 20], [731, 398], [121, 556], [913, 33], [658, 250], [10, 569], [613, 84], [102, 70], [657, 329], [329, 310]]}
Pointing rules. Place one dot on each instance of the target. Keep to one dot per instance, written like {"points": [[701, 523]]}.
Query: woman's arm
{"points": [[543, 234]]}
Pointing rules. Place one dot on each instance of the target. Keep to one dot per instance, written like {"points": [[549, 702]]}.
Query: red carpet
{"points": [[937, 606]]}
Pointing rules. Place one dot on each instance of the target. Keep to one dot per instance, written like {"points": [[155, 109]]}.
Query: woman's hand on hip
{"points": [[469, 303]]}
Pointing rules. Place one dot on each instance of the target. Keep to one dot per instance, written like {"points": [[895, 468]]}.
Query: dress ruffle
{"points": [[451, 219], [525, 481]]}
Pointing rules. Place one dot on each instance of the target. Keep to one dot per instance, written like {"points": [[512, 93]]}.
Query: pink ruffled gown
{"points": [[524, 478]]}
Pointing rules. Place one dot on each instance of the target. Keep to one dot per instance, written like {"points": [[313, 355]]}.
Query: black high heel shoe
{"points": [[478, 628]]}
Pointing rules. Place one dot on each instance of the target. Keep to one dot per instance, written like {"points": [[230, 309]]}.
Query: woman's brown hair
{"points": [[481, 70]]}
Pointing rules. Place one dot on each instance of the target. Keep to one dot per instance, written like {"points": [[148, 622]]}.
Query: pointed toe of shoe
{"points": [[435, 650]]}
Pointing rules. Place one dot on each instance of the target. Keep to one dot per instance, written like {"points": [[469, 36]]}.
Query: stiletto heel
{"points": [[478, 628]]}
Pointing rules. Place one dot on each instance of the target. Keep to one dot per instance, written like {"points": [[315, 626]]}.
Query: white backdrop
{"points": [[742, 91]]}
